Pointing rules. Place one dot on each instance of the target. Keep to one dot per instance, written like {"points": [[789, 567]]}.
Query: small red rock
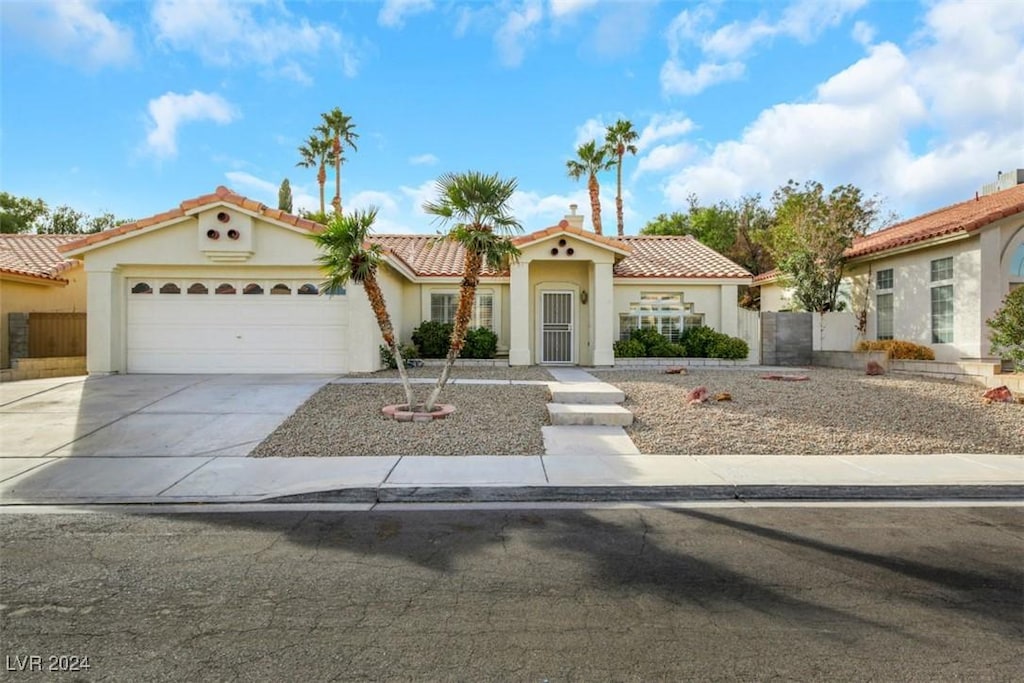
{"points": [[875, 368], [675, 371], [697, 395], [999, 394]]}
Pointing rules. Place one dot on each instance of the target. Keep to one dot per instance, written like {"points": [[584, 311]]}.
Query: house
{"points": [[225, 284], [35, 278], [935, 279]]}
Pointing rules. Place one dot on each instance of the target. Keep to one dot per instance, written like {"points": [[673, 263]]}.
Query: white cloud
{"points": [[536, 211], [171, 110], [665, 157], [565, 8], [863, 33], [71, 30], [662, 127], [677, 80], [226, 33], [394, 12], [591, 129], [518, 29], [423, 160]]}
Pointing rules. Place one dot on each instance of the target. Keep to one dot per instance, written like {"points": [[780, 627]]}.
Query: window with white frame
{"points": [[883, 304], [444, 304], [666, 313], [942, 300]]}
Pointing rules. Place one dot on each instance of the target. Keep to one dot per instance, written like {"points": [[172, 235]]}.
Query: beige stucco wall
{"points": [[24, 297], [416, 302], [706, 299], [775, 297]]}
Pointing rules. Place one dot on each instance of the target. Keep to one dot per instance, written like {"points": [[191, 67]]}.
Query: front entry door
{"points": [[556, 335]]}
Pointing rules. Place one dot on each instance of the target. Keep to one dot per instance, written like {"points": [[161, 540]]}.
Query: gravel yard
{"points": [[345, 419], [834, 412], [503, 372]]}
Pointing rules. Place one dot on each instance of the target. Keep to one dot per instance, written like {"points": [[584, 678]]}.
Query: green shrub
{"points": [[648, 337], [432, 339], [729, 348], [898, 349], [699, 341], [1007, 327], [629, 348], [667, 350], [480, 343], [387, 359]]}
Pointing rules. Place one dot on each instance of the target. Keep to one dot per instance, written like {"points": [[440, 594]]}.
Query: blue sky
{"points": [[132, 107]]}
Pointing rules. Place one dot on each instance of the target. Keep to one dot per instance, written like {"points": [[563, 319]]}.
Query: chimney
{"points": [[574, 219]]}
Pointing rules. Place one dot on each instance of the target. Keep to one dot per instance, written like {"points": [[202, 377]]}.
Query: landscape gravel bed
{"points": [[345, 419], [834, 412], [501, 372]]}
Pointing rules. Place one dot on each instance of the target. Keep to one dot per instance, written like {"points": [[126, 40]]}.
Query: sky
{"points": [[133, 107]]}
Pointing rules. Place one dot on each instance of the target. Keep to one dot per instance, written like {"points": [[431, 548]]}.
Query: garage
{"points": [[233, 325]]}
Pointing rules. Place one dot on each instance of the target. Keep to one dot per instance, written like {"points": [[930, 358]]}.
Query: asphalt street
{"points": [[712, 593]]}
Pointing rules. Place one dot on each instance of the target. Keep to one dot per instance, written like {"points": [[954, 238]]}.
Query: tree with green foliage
{"points": [[477, 208], [1007, 329], [284, 196], [316, 153], [714, 226], [20, 214], [754, 224], [341, 133], [675, 223], [812, 231], [619, 139], [345, 257], [591, 160]]}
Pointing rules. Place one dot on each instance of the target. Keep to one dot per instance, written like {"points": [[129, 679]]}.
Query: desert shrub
{"points": [[699, 341], [479, 343], [432, 338], [387, 359], [898, 349], [629, 348], [729, 348], [648, 337], [666, 349], [1007, 329]]}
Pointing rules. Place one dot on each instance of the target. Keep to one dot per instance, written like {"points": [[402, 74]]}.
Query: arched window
{"points": [[1017, 262], [337, 290], [142, 288], [281, 288], [308, 289], [170, 288], [198, 288], [252, 288], [225, 288]]}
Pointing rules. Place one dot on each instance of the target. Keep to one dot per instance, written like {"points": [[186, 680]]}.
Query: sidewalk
{"points": [[547, 478]]}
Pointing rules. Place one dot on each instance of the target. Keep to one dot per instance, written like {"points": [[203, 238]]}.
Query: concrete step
{"points": [[570, 440], [589, 414], [590, 393]]}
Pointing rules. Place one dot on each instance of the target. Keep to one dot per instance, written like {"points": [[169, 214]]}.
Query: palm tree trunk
{"points": [[618, 197], [595, 202], [467, 295], [336, 202], [321, 177], [376, 298]]}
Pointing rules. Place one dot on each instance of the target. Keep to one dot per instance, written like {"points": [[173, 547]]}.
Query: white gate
{"points": [[748, 329], [556, 327]]}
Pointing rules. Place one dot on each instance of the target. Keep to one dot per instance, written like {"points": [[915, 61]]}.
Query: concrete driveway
{"points": [[177, 416]]}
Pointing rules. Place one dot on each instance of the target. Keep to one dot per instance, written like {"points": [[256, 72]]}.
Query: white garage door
{"points": [[207, 326]]}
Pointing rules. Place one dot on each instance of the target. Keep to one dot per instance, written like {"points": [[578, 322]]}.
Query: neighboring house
{"points": [[937, 278], [36, 278], [226, 284]]}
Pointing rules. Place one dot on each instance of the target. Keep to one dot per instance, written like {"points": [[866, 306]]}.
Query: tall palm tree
{"points": [[348, 256], [478, 206], [619, 139], [316, 153], [342, 133], [591, 160]]}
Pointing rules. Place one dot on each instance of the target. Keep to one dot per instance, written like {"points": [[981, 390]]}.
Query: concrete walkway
{"points": [[586, 417]]}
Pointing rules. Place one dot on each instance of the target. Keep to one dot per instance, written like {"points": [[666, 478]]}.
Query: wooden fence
{"points": [[56, 334]]}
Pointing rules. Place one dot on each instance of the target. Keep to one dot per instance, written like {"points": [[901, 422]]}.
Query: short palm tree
{"points": [[316, 153], [477, 205], [342, 133], [591, 160], [348, 256], [619, 139]]}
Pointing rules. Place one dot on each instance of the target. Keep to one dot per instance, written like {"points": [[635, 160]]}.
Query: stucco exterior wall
{"points": [[706, 299], [23, 297], [775, 297]]}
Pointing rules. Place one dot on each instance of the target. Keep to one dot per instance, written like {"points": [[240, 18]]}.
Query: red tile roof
{"points": [[428, 256], [767, 276], [221, 195], [965, 217], [36, 256], [675, 257]]}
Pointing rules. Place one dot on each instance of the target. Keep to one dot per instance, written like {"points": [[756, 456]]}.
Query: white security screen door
{"points": [[556, 327]]}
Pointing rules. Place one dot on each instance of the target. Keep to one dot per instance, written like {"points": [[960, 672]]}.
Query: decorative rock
{"points": [[723, 396], [998, 395], [401, 412], [786, 378], [675, 371], [875, 368], [697, 395]]}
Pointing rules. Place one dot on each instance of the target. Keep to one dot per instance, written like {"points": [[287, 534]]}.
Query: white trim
{"points": [[573, 326]]}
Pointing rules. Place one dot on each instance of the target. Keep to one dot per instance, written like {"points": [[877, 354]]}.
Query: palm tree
{"points": [[479, 206], [342, 132], [348, 256], [590, 160], [619, 139], [316, 153]]}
